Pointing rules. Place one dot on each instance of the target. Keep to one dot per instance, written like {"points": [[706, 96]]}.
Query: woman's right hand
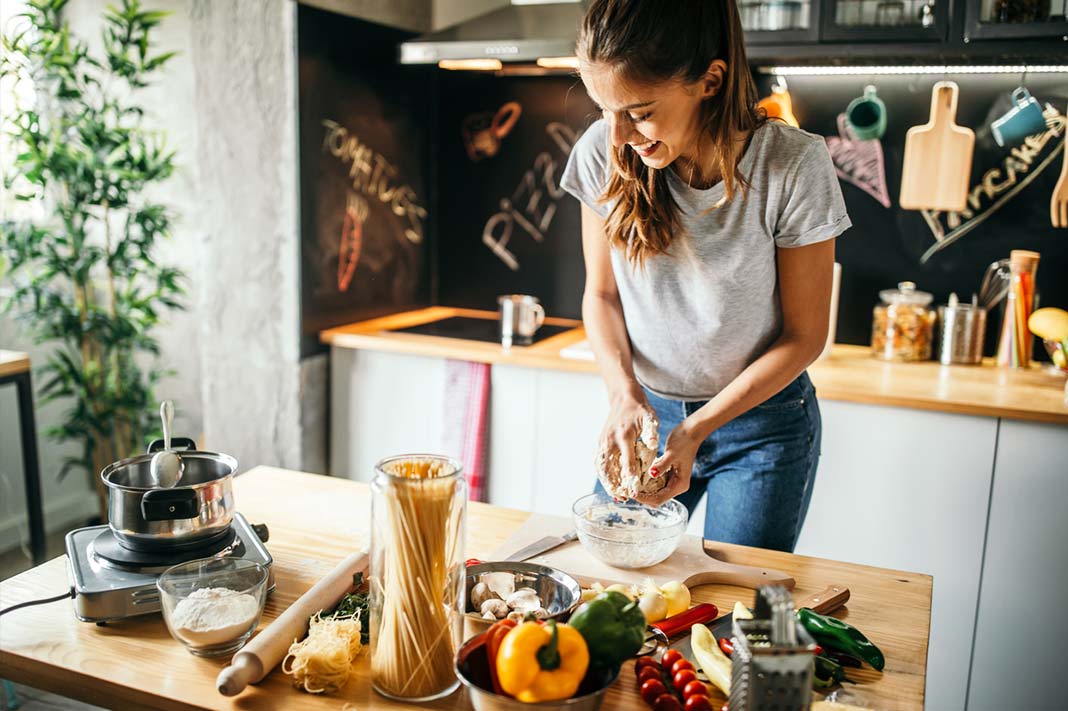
{"points": [[622, 429]]}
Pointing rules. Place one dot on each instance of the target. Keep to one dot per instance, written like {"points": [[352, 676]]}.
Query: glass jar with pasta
{"points": [[903, 325], [418, 512]]}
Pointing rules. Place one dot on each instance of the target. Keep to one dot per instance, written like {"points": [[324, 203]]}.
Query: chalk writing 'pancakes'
{"points": [[374, 176], [1018, 170]]}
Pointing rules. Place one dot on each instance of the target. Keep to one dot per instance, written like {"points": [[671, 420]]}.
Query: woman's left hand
{"points": [[676, 463]]}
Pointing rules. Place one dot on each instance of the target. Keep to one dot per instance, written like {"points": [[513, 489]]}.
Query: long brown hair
{"points": [[660, 40]]}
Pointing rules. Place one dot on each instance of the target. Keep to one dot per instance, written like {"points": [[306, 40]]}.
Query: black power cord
{"points": [[69, 594]]}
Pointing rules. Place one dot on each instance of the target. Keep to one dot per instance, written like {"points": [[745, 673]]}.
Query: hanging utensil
{"points": [[995, 284], [1058, 202], [938, 157], [167, 467]]}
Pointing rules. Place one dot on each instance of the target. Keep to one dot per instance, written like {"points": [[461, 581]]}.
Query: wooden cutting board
{"points": [[692, 561], [938, 157]]}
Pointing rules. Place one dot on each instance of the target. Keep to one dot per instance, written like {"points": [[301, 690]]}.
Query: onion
{"points": [[653, 605], [678, 597]]}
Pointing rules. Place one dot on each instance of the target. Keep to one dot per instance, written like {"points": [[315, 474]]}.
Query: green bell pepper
{"points": [[834, 634], [613, 626]]}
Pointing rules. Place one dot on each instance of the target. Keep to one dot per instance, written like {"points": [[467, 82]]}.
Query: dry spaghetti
{"points": [[416, 576]]}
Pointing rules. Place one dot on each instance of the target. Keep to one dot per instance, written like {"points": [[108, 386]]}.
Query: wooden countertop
{"points": [[849, 374], [13, 363], [315, 521]]}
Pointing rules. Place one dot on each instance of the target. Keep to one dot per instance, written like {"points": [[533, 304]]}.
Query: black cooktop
{"points": [[474, 329]]}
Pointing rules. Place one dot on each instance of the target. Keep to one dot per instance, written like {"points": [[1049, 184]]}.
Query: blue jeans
{"points": [[757, 470]]}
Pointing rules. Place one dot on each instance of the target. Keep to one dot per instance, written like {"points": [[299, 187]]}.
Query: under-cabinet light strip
{"points": [[476, 65]]}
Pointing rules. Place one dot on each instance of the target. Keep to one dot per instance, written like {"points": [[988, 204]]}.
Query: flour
{"points": [[211, 616]]}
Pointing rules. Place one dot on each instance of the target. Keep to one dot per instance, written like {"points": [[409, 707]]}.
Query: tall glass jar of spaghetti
{"points": [[418, 517]]}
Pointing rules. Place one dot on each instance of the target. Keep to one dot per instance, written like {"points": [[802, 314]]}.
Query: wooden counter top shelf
{"points": [[136, 663], [850, 373]]}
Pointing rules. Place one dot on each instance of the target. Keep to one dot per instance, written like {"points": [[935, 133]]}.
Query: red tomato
{"points": [[648, 673], [684, 677], [698, 702], [695, 688], [644, 662], [680, 665], [651, 691], [667, 702], [670, 657]]}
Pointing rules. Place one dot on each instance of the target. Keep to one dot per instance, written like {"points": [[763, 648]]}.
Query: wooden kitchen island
{"points": [[314, 522]]}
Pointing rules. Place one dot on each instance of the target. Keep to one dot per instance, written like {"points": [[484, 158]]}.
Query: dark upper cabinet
{"points": [[933, 27], [884, 20], [1015, 19], [780, 22]]}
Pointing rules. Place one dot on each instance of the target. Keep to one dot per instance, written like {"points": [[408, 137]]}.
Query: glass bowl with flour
{"points": [[628, 534], [213, 605]]}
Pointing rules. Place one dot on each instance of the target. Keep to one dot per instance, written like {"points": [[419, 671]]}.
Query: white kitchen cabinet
{"points": [[571, 410], [382, 404], [1023, 620], [512, 436], [908, 489]]}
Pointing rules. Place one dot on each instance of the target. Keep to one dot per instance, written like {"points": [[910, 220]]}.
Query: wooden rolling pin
{"points": [[257, 658]]}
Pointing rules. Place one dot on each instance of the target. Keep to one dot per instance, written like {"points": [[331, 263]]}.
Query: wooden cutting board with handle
{"points": [[695, 562], [938, 157]]}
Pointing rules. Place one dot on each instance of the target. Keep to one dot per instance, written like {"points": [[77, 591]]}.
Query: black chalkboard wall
{"points": [[505, 225], [498, 223], [364, 162]]}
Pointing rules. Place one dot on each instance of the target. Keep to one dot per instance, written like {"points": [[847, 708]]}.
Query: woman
{"points": [[708, 236]]}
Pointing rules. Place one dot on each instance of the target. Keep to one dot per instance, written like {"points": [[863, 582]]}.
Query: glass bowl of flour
{"points": [[213, 605], [628, 534]]}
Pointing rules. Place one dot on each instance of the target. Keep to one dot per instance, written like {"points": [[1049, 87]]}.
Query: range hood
{"points": [[524, 31]]}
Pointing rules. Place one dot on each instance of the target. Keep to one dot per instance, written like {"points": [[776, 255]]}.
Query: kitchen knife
{"points": [[824, 602], [542, 545]]}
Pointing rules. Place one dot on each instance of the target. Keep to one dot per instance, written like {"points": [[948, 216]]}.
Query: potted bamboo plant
{"points": [[80, 268]]}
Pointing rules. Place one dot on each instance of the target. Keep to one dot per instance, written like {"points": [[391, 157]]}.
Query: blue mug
{"points": [[1022, 120]]}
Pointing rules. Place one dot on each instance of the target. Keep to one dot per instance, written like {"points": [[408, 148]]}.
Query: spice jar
{"points": [[903, 325], [418, 516]]}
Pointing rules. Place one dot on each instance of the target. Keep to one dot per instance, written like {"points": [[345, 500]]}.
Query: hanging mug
{"points": [[867, 115], [1022, 120], [482, 132]]}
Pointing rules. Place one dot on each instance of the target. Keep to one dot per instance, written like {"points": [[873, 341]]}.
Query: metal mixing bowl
{"points": [[558, 591], [472, 669]]}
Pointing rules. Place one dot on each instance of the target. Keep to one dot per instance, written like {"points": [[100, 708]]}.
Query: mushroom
{"points": [[480, 593], [495, 607], [524, 600]]}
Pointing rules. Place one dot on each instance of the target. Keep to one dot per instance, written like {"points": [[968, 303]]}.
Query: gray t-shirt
{"points": [[701, 314]]}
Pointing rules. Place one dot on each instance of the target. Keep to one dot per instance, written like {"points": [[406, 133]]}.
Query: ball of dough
{"points": [[624, 485]]}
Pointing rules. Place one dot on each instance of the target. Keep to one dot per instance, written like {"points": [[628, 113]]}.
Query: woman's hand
{"points": [[622, 429], [676, 462]]}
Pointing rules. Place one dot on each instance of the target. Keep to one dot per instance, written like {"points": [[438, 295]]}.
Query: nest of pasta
{"points": [[321, 662]]}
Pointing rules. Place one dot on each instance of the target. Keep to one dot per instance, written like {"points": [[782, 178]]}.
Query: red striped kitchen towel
{"points": [[466, 421]]}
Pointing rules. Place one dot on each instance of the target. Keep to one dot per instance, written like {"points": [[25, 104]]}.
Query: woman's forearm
{"points": [[602, 315], [779, 366]]}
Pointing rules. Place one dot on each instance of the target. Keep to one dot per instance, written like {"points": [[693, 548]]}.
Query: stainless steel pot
{"points": [[145, 517]]}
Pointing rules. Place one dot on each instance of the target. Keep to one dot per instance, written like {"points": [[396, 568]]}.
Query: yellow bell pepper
{"points": [[542, 662]]}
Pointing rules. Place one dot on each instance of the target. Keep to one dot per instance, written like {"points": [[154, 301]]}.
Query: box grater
{"points": [[772, 663]]}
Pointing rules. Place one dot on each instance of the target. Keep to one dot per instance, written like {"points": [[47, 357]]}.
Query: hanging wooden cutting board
{"points": [[938, 157], [692, 562]]}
